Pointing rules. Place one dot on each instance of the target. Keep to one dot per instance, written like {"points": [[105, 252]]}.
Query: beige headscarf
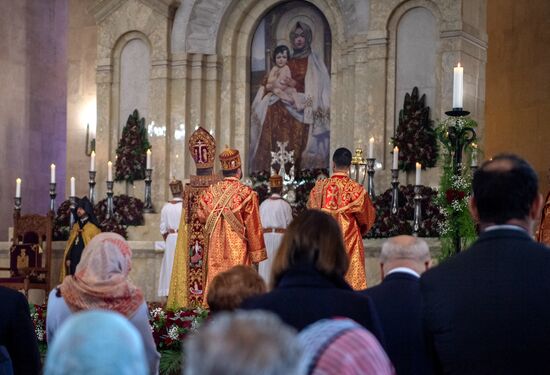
{"points": [[101, 278]]}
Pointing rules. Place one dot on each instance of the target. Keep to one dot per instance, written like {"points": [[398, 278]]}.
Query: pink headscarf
{"points": [[101, 278]]}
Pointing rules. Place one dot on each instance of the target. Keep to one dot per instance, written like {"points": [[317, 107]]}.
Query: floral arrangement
{"points": [[38, 316], [415, 135], [458, 226], [61, 222], [170, 327], [387, 224], [131, 150]]}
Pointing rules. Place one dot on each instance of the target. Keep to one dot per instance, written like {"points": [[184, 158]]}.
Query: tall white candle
{"points": [[18, 188], [109, 171], [148, 164], [395, 157], [371, 148], [92, 162], [52, 173], [418, 171], [458, 86], [474, 155], [73, 189]]}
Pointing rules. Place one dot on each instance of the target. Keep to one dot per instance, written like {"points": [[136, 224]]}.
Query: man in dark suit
{"points": [[17, 332], [398, 302], [487, 309]]}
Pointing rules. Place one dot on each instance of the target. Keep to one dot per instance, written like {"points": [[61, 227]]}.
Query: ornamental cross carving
{"points": [[282, 157]]}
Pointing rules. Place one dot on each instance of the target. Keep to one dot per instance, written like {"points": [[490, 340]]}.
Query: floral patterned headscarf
{"points": [[101, 278], [304, 52]]}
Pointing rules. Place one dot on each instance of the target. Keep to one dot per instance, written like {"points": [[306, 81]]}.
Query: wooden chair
{"points": [[30, 253]]}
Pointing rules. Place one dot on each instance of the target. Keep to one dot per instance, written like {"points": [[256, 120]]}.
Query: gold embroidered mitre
{"points": [[176, 186], [203, 148], [276, 181], [230, 159]]}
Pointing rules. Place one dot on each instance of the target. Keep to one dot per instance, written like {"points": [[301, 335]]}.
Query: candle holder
{"points": [[91, 183], [52, 196], [370, 179], [73, 208], [473, 168], [17, 206], [395, 191], [110, 199], [460, 137], [148, 206], [417, 209]]}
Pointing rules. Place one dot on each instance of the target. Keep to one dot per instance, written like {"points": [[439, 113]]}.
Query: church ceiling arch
{"points": [[198, 23]]}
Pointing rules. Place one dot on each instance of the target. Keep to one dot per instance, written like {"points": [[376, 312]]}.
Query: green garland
{"points": [[454, 191]]}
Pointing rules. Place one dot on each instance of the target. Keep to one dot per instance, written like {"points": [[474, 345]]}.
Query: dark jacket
{"points": [[304, 296], [487, 309], [17, 332], [398, 302]]}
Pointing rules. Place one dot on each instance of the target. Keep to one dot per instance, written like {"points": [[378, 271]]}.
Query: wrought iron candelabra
{"points": [[395, 191], [91, 183], [460, 137], [17, 205], [52, 196], [417, 209], [370, 179], [110, 208], [148, 205]]}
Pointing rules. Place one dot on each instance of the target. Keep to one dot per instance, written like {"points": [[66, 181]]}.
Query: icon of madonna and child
{"points": [[292, 104]]}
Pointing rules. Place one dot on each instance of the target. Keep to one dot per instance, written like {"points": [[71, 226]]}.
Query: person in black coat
{"points": [[308, 277], [17, 332], [399, 304], [487, 309]]}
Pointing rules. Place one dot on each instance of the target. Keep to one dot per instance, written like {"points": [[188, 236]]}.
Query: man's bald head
{"points": [[405, 251], [504, 189]]}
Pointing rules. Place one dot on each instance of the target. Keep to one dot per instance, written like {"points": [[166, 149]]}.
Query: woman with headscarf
{"points": [[96, 342], [308, 277], [84, 229], [101, 282], [306, 130], [343, 347]]}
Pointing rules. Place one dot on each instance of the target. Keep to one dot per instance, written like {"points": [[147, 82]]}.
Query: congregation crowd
{"points": [[483, 311]]}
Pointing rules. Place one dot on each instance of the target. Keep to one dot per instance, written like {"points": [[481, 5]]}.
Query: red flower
{"points": [[454, 195]]}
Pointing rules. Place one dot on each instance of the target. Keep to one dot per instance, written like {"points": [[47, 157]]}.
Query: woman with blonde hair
{"points": [[308, 277]]}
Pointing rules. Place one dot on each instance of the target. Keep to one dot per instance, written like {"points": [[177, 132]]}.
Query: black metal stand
{"points": [[91, 183], [370, 179], [395, 191], [417, 209], [73, 207], [52, 196], [460, 137], [110, 208], [148, 206], [17, 205]]}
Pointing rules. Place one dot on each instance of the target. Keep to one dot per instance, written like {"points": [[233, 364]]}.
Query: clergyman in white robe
{"points": [[276, 215], [169, 223]]}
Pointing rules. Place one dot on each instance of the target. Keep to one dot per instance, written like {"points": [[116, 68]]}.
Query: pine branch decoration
{"points": [[415, 135], [131, 150]]}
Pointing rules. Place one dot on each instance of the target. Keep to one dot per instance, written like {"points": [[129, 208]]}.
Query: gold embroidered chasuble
{"points": [[188, 273], [233, 227], [348, 202], [89, 231], [543, 233]]}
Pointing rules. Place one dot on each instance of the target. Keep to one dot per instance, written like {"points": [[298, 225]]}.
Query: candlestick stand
{"points": [[370, 179], [110, 199], [460, 137], [91, 183], [148, 206], [73, 209], [395, 191], [17, 207], [417, 209], [52, 196]]}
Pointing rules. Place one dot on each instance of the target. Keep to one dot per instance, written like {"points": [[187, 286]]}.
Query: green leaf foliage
{"points": [[131, 150]]}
